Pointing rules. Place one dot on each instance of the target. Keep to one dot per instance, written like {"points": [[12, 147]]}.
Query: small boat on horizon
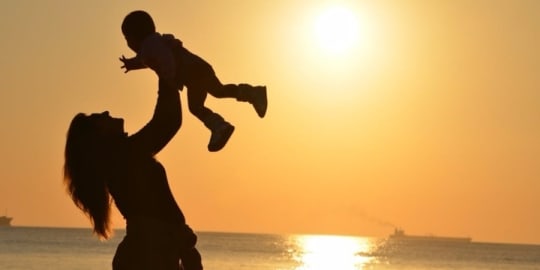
{"points": [[5, 221], [399, 234]]}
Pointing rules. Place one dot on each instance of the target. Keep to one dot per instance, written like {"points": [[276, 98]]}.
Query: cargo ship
{"points": [[399, 234], [5, 221]]}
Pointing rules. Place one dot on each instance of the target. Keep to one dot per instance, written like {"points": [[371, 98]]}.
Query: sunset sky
{"points": [[419, 114]]}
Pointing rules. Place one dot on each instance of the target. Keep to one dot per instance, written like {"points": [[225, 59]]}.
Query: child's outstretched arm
{"points": [[131, 63]]}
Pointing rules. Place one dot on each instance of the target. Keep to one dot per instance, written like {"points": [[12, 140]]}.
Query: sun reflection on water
{"points": [[318, 252]]}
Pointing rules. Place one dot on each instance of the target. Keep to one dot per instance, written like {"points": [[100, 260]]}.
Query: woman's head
{"points": [[89, 145], [91, 137], [136, 26]]}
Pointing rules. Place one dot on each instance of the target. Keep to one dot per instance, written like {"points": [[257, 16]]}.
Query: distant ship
{"points": [[5, 221], [399, 234]]}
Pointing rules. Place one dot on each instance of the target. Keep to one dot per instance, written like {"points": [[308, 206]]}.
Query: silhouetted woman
{"points": [[104, 165]]}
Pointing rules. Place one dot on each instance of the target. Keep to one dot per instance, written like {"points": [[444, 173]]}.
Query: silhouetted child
{"points": [[172, 62]]}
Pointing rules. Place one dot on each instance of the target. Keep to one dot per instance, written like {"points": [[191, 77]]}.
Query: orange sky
{"points": [[430, 121]]}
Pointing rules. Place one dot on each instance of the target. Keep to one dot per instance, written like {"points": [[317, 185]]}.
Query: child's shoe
{"points": [[220, 136], [259, 101], [256, 95]]}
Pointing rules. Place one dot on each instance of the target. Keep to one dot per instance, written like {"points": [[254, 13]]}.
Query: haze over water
{"points": [[59, 249]]}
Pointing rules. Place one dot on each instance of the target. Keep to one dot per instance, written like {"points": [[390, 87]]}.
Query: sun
{"points": [[336, 29]]}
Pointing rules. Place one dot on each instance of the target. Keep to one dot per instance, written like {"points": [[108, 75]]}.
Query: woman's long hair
{"points": [[86, 173]]}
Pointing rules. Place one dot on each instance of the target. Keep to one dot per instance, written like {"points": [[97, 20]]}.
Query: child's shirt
{"points": [[166, 55], [155, 53]]}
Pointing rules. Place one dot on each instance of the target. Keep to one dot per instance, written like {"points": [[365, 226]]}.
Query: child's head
{"points": [[136, 26]]}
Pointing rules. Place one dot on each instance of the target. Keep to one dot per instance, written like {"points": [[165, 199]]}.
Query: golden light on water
{"points": [[318, 252]]}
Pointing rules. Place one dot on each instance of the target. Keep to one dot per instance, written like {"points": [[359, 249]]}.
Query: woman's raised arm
{"points": [[164, 124]]}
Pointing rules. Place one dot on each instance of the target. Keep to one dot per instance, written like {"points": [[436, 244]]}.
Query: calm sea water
{"points": [[61, 249]]}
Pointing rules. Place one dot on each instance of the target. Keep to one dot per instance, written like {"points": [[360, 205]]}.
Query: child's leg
{"points": [[203, 75], [196, 98], [256, 95], [221, 129]]}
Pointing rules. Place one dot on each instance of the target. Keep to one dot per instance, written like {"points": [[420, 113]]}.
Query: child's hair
{"points": [[138, 24]]}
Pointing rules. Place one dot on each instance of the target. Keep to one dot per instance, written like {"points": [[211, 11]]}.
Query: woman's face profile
{"points": [[108, 125]]}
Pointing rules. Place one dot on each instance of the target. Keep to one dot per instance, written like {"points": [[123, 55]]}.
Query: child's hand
{"points": [[128, 64]]}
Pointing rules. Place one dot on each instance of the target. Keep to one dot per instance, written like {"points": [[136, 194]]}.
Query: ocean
{"points": [[31, 248]]}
